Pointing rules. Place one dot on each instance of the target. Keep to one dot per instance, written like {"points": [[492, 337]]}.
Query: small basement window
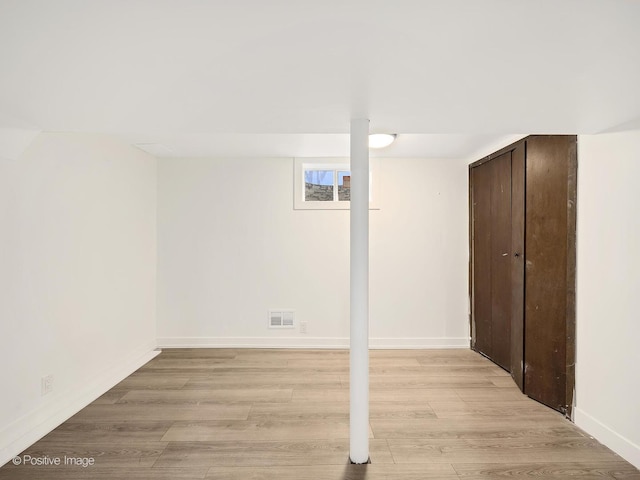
{"points": [[324, 184]]}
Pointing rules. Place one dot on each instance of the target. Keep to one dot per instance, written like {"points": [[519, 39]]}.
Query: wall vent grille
{"points": [[281, 319]]}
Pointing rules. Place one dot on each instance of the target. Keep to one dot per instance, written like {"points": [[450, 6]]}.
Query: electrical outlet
{"points": [[303, 326], [47, 384]]}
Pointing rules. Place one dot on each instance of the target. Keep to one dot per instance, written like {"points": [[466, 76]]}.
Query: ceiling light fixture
{"points": [[381, 140]]}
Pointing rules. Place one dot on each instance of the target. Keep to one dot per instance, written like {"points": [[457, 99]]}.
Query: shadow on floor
{"points": [[355, 472]]}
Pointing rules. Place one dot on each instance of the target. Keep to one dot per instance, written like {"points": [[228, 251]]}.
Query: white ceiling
{"points": [[258, 77]]}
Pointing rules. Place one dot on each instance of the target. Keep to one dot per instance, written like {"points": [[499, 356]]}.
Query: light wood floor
{"points": [[284, 414]]}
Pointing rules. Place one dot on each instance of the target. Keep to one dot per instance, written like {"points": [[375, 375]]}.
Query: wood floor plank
{"points": [[247, 369], [145, 381], [626, 471], [281, 381], [204, 353], [128, 454], [340, 410], [582, 470], [376, 394], [261, 454], [491, 394], [201, 397], [108, 432], [451, 357], [374, 362], [473, 429], [300, 410], [374, 471], [424, 381], [502, 381], [505, 450], [292, 354], [496, 410], [101, 473], [442, 371], [185, 364], [411, 394], [266, 429], [407, 410], [145, 413]]}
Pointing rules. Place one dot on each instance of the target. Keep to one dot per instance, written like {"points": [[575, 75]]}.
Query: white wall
{"points": [[608, 322], [231, 246], [77, 277]]}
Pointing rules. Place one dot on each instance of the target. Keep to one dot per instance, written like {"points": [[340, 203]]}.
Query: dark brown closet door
{"points": [[549, 273], [491, 190], [481, 254], [523, 264], [501, 260], [518, 167]]}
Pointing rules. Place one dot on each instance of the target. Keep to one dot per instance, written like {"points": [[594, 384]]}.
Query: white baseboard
{"points": [[605, 435], [310, 342], [34, 425]]}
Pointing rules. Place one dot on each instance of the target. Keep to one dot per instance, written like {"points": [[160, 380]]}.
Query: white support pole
{"points": [[359, 339]]}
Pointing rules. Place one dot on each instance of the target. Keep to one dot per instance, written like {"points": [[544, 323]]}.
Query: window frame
{"points": [[336, 165]]}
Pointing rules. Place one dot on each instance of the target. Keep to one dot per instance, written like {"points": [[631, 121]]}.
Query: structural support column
{"points": [[359, 339]]}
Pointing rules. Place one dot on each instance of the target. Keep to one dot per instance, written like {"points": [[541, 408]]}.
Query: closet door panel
{"points": [[546, 270], [517, 262], [481, 255], [501, 260]]}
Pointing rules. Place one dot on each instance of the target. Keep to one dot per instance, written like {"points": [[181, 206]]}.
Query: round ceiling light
{"points": [[381, 140]]}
